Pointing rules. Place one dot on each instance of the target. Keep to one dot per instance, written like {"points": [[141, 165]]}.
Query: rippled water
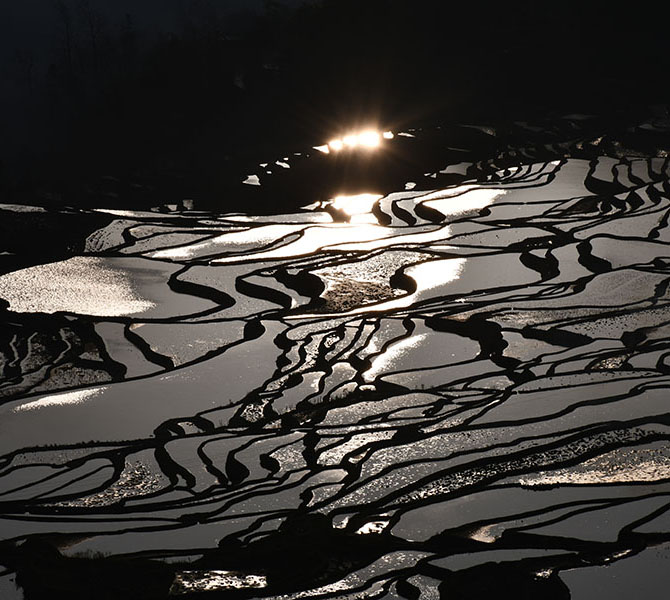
{"points": [[442, 390]]}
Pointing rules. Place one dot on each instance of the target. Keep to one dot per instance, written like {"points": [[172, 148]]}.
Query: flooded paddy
{"points": [[433, 390]]}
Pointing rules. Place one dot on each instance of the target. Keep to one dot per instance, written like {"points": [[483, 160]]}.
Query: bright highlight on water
{"points": [[367, 139]]}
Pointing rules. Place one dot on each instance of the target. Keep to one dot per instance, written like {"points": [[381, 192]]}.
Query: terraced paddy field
{"points": [[449, 382]]}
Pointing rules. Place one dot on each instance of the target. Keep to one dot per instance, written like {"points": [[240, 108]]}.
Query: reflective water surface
{"points": [[404, 395]]}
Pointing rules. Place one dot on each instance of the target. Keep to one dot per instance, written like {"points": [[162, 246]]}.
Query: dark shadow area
{"points": [[103, 112]]}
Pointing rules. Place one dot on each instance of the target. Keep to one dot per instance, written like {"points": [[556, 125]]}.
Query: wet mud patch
{"points": [[362, 282]]}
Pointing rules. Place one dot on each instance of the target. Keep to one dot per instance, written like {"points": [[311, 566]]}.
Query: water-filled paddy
{"points": [[400, 394]]}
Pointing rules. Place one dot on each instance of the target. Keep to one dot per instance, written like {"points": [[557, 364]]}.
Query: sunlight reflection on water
{"points": [[83, 284], [188, 582], [367, 139], [74, 397], [461, 199], [355, 204], [427, 275], [230, 240], [386, 361], [316, 238]]}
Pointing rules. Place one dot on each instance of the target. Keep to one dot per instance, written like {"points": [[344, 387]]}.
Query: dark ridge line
{"points": [[191, 288], [487, 464], [147, 351], [429, 214], [572, 435], [130, 241], [382, 218], [629, 529], [585, 403], [41, 497], [593, 263], [403, 214], [253, 290], [612, 503], [201, 359]]}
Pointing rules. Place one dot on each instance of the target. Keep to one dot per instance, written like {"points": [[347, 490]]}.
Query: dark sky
{"points": [[33, 25], [26, 19], [31, 33]]}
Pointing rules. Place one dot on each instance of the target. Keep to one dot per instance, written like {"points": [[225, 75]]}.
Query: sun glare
{"points": [[370, 139], [355, 204], [367, 139]]}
